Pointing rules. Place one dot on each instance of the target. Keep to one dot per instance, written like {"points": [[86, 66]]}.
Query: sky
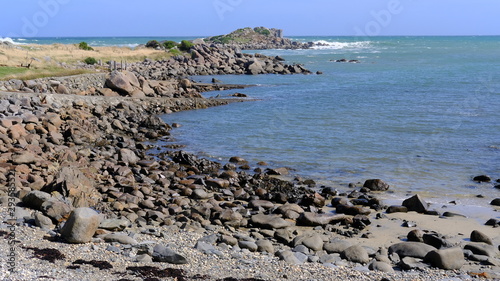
{"points": [[89, 18]]}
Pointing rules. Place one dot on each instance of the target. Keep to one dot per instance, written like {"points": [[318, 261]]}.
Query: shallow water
{"points": [[421, 113]]}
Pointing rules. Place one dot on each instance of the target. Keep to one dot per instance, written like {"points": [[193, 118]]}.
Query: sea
{"points": [[420, 113]]}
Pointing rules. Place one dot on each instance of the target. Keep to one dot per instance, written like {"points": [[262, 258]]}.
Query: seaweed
{"points": [[98, 264], [151, 272], [46, 254]]}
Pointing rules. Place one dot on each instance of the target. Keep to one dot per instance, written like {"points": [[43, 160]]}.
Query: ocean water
{"points": [[421, 113]]}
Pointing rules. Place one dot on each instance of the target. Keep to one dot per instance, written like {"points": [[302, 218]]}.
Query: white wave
{"points": [[326, 45], [8, 40]]}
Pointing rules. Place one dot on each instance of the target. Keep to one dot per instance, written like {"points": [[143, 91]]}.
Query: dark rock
{"points": [[352, 210], [493, 222], [415, 235], [482, 178], [376, 185], [35, 199], [416, 203], [448, 259], [436, 240], [397, 209], [451, 215], [477, 236], [249, 245], [164, 254], [495, 202]]}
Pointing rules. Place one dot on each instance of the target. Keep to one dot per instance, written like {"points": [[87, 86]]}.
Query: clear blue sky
{"points": [[62, 18]]}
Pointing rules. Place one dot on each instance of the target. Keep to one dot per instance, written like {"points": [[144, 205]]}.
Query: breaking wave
{"points": [[326, 45]]}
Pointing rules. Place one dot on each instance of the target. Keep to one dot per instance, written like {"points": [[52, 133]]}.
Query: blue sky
{"points": [[62, 18]]}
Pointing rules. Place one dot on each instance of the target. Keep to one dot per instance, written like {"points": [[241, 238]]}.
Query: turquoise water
{"points": [[422, 113]]}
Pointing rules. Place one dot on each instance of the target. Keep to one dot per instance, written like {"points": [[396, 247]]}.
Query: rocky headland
{"points": [[92, 187]]}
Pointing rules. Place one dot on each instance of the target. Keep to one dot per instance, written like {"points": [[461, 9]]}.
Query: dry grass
{"points": [[45, 59]]}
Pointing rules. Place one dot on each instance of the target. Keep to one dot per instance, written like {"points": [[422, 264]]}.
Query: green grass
{"points": [[6, 71], [21, 73]]}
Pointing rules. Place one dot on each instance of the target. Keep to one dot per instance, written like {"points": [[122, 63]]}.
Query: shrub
{"points": [[262, 30], [185, 45], [90, 60], [85, 46], [169, 44], [153, 44]]}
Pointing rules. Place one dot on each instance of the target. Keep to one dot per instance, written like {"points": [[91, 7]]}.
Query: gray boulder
{"points": [[356, 253], [269, 221], [164, 254], [477, 236], [35, 199], [120, 238], [481, 249], [380, 266], [411, 249], [81, 225], [311, 241], [409, 263], [254, 67], [336, 246], [314, 219], [55, 209], [416, 203], [265, 246], [448, 259], [288, 256], [114, 224], [249, 245], [43, 222], [128, 156]]}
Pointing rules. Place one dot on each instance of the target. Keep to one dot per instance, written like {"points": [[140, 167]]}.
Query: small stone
{"points": [[164, 254], [120, 238]]}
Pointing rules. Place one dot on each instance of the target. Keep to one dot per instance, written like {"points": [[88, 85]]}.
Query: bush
{"points": [[185, 45], [85, 46], [169, 44], [262, 30], [90, 60], [153, 44]]}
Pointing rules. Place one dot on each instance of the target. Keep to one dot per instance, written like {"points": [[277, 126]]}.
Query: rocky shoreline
{"points": [[86, 194]]}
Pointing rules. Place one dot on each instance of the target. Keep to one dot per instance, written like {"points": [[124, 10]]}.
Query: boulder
{"points": [[55, 209], [409, 263], [416, 203], [81, 225], [436, 240], [269, 221], [477, 236], [120, 238], [495, 202], [120, 82], [311, 241], [76, 186], [356, 253], [35, 199], [43, 222], [254, 67], [128, 156], [288, 256], [376, 185], [25, 157], [265, 246], [448, 259], [336, 246], [114, 224], [249, 245], [380, 266], [411, 249], [481, 249], [482, 178], [164, 254], [397, 209], [314, 219]]}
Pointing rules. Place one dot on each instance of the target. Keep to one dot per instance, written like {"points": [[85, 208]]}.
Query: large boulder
{"points": [[122, 82], [416, 203], [411, 249], [81, 225], [314, 219], [76, 186], [35, 199], [254, 67], [449, 259], [478, 236], [269, 221], [356, 253]]}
